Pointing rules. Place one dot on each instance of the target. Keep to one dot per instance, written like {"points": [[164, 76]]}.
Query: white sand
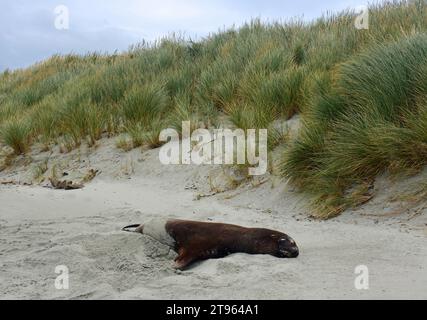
{"points": [[41, 228]]}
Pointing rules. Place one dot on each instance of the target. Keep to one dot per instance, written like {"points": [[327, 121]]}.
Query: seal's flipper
{"points": [[184, 259], [138, 228], [183, 262]]}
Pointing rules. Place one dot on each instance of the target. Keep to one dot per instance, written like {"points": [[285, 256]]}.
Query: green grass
{"points": [[361, 95], [144, 104], [372, 120], [16, 134]]}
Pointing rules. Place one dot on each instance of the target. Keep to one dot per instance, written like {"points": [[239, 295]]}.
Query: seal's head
{"points": [[282, 246], [286, 247]]}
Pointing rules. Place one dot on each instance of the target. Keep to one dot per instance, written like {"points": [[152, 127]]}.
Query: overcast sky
{"points": [[28, 33]]}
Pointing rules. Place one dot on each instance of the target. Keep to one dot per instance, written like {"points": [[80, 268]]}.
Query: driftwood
{"points": [[15, 183], [59, 184], [90, 175], [65, 184], [7, 182], [70, 185]]}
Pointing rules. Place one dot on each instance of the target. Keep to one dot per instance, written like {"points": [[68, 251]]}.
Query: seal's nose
{"points": [[294, 251]]}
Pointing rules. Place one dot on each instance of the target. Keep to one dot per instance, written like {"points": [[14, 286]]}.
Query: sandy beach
{"points": [[41, 228]]}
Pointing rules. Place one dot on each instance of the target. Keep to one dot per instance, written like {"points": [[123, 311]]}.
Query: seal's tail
{"points": [[138, 228]]}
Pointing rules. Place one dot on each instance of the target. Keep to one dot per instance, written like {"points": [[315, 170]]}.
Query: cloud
{"points": [[28, 34]]}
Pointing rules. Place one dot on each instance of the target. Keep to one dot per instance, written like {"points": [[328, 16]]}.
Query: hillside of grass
{"points": [[361, 95]]}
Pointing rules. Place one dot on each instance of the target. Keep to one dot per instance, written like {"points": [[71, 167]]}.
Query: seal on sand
{"points": [[195, 241]]}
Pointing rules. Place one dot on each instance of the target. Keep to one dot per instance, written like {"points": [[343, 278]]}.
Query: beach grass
{"points": [[361, 96]]}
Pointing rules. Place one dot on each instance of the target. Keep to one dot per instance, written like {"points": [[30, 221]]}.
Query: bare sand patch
{"points": [[41, 228]]}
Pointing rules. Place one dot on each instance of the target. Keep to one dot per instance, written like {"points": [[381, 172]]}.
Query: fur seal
{"points": [[195, 241]]}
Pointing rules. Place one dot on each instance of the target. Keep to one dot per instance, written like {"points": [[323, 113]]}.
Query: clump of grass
{"points": [[299, 54], [249, 117], [83, 121], [67, 143], [136, 134], [142, 136], [108, 84], [17, 135], [6, 158], [184, 111], [151, 137], [96, 121], [124, 143], [395, 65], [145, 104], [44, 122], [301, 159], [371, 120], [217, 84], [278, 134]]}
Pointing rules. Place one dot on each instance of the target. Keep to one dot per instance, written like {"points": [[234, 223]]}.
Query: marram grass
{"points": [[361, 95]]}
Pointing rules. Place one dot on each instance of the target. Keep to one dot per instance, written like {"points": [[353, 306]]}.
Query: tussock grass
{"points": [[151, 136], [144, 104], [136, 134], [124, 143], [372, 120], [184, 111], [16, 134]]}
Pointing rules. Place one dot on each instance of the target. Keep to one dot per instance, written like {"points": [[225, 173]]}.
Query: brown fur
{"points": [[195, 241]]}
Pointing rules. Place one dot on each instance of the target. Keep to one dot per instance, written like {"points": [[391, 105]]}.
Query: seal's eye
{"points": [[283, 242]]}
